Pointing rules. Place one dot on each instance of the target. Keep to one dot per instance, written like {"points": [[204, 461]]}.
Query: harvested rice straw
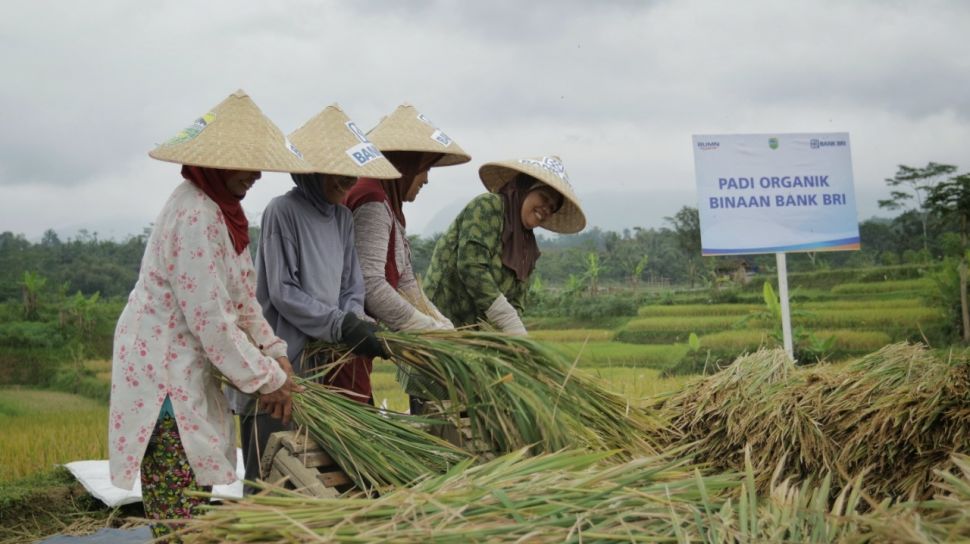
{"points": [[376, 449], [572, 496], [896, 415], [560, 497], [521, 393]]}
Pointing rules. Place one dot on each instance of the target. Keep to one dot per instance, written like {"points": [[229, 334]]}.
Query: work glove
{"points": [[419, 322], [503, 315], [359, 336], [443, 322]]}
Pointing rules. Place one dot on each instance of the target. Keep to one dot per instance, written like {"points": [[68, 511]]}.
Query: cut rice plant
{"points": [[573, 496], [518, 392], [376, 449], [567, 496], [895, 415]]}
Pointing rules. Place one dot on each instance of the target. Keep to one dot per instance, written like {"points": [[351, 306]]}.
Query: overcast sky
{"points": [[615, 88]]}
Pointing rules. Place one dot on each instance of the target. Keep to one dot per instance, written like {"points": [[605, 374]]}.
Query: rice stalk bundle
{"points": [[896, 415], [559, 497], [376, 449], [518, 392], [903, 411], [945, 518], [574, 496]]}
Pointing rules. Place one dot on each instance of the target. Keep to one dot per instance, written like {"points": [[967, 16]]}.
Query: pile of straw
{"points": [[376, 449], [522, 393], [894, 416], [575, 496]]}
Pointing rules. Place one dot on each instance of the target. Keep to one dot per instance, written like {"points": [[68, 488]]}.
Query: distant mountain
{"points": [[608, 210]]}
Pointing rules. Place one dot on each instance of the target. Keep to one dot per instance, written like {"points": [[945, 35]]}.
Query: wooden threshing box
{"points": [[306, 468]]}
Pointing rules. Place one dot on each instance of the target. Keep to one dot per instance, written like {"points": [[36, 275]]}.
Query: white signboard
{"points": [[771, 193]]}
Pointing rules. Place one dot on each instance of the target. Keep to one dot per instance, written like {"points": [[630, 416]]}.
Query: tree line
{"points": [[932, 205]]}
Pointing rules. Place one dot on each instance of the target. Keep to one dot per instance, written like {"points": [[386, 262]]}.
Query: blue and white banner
{"points": [[769, 193]]}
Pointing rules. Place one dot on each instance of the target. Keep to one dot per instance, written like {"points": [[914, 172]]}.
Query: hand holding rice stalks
{"points": [[521, 393], [376, 449]]}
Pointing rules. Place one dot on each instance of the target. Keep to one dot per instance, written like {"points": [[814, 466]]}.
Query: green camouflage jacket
{"points": [[466, 273]]}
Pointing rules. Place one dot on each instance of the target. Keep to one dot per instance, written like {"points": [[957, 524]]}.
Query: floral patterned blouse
{"points": [[466, 273], [192, 314]]}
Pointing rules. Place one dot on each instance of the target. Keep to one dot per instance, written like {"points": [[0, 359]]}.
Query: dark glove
{"points": [[358, 335]]}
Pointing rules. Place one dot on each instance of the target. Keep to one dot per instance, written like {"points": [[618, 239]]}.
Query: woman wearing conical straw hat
{"points": [[480, 267], [308, 276], [414, 145], [193, 314]]}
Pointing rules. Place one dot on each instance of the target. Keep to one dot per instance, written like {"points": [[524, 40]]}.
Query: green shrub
{"points": [[30, 366], [80, 382], [30, 334]]}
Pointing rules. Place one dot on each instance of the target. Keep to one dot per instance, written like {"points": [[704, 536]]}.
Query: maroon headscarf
{"points": [[409, 164], [519, 248], [212, 181]]}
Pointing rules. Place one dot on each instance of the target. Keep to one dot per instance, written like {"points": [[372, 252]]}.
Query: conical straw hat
{"points": [[408, 130], [549, 170], [333, 144], [235, 135]]}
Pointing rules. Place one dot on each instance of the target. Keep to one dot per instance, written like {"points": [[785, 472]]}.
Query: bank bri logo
{"points": [[815, 143], [708, 146]]}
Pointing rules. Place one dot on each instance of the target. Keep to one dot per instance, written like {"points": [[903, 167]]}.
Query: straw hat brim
{"points": [[234, 135], [568, 219], [333, 144], [408, 130]]}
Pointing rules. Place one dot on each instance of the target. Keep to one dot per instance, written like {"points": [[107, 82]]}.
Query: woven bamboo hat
{"points": [[235, 135], [333, 144], [408, 130], [549, 170]]}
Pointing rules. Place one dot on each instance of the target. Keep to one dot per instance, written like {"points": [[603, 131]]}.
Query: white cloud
{"points": [[615, 88]]}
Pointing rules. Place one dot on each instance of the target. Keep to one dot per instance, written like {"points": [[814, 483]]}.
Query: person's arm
{"points": [[198, 273], [251, 320], [281, 264], [372, 232], [351, 280], [426, 315], [479, 239]]}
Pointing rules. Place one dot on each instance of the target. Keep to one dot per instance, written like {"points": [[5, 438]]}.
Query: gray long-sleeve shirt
{"points": [[308, 276], [374, 222]]}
